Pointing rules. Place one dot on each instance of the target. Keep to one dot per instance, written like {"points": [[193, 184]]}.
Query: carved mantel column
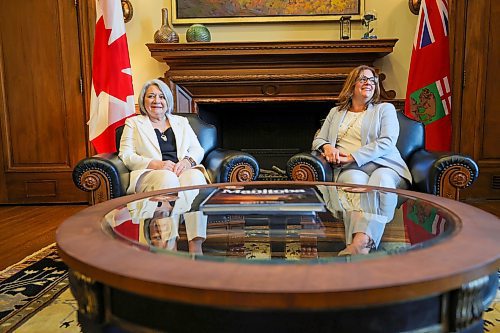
{"points": [[264, 71]]}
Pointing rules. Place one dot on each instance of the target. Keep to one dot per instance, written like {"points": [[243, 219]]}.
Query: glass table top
{"points": [[278, 224]]}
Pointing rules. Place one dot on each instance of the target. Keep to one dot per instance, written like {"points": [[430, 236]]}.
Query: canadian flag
{"points": [[112, 96]]}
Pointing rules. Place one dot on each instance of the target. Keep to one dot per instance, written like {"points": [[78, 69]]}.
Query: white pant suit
{"points": [[139, 146]]}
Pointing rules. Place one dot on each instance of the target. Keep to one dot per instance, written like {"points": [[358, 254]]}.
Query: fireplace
{"points": [[270, 131], [266, 98]]}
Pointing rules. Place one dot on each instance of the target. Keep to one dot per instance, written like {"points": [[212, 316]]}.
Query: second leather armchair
{"points": [[439, 173]]}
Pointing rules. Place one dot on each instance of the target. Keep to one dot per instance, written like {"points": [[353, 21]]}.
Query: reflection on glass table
{"points": [[275, 224], [154, 222]]}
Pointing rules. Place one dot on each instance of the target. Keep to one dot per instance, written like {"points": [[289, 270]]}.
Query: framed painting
{"points": [[236, 11]]}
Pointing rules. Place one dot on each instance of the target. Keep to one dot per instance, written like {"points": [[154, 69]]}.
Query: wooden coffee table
{"points": [[420, 278]]}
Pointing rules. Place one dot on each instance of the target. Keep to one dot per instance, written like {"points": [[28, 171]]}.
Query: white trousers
{"points": [[164, 179], [168, 228], [370, 212], [196, 223], [384, 177]]}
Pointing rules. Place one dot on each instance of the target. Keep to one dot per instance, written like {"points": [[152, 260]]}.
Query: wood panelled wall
{"points": [[475, 68], [44, 64]]}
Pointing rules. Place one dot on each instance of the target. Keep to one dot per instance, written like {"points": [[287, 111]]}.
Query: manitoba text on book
{"points": [[263, 200]]}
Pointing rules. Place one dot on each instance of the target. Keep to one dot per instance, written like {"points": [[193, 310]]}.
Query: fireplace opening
{"points": [[271, 131]]}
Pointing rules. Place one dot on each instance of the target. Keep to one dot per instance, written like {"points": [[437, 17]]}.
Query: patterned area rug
{"points": [[492, 315], [35, 297]]}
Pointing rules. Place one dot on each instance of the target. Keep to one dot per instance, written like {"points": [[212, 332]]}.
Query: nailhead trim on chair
{"points": [[469, 182], [302, 164], [97, 194], [455, 183], [240, 171], [83, 181]]}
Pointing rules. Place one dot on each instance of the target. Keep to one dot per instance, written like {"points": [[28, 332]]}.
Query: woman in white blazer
{"points": [[359, 137], [161, 149]]}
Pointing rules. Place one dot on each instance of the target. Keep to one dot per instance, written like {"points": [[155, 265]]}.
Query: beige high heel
{"points": [[344, 252]]}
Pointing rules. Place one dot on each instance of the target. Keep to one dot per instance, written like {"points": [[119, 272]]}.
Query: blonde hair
{"points": [[345, 96], [164, 89]]}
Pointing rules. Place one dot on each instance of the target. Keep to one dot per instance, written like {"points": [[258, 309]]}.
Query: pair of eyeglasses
{"points": [[365, 79]]}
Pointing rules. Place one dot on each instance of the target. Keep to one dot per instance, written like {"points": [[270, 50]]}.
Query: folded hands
{"points": [[335, 156]]}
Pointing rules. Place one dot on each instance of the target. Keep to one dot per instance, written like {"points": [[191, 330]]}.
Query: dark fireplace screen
{"points": [[271, 131]]}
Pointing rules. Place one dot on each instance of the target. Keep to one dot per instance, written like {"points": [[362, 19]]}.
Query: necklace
{"points": [[354, 120], [163, 135], [157, 127]]}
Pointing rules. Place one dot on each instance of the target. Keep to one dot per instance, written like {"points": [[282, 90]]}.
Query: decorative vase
{"points": [[198, 33], [166, 33]]}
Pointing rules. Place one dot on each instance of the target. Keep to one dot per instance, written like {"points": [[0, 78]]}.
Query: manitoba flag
{"points": [[112, 96], [428, 94], [422, 222]]}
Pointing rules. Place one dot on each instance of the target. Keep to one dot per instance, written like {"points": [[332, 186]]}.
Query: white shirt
{"points": [[349, 137]]}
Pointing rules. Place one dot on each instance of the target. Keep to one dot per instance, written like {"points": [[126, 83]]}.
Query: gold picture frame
{"points": [[238, 11]]}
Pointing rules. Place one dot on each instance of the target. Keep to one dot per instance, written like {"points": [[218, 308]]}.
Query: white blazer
{"points": [[139, 145], [379, 134]]}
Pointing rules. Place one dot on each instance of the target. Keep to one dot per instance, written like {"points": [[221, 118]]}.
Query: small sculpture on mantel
{"points": [[369, 17], [166, 33]]}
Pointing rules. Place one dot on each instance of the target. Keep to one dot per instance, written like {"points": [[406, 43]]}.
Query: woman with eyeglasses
{"points": [[359, 139]]}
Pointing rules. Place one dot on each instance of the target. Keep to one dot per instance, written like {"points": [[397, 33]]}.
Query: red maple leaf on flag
{"points": [[112, 91], [109, 62]]}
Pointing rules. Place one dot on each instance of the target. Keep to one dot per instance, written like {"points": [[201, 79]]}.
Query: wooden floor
{"points": [[26, 229], [492, 206]]}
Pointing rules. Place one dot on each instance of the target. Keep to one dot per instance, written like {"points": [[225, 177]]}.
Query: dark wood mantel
{"points": [[179, 55], [263, 71]]}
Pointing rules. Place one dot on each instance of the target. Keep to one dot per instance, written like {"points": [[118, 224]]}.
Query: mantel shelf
{"points": [[221, 72], [366, 50]]}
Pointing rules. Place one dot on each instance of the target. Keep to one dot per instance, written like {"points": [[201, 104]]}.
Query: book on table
{"points": [[263, 200]]}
